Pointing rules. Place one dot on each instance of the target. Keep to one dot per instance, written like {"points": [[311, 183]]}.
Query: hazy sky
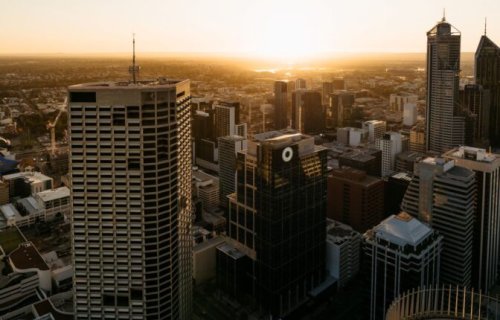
{"points": [[260, 27]]}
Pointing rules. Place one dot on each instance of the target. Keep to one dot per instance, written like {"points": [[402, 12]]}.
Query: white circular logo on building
{"points": [[287, 154]]}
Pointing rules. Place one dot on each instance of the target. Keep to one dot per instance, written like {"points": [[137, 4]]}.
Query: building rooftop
{"points": [[49, 195], [231, 251], [156, 83], [46, 307], [34, 177], [402, 229], [10, 239], [26, 256]]}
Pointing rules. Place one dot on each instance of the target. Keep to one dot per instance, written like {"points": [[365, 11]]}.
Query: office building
{"points": [[229, 147], [417, 139], [410, 114], [390, 144], [487, 216], [338, 113], [396, 186], [445, 126], [487, 74], [375, 128], [352, 136], [397, 101], [131, 173], [406, 160], [365, 159], [227, 116], [308, 115], [343, 247], [300, 84], [355, 198], [325, 93], [277, 218], [402, 253], [443, 195], [338, 84], [475, 102], [281, 104]]}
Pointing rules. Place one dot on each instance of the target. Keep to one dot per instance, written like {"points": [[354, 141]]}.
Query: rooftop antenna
{"points": [[133, 69], [485, 24], [444, 15]]}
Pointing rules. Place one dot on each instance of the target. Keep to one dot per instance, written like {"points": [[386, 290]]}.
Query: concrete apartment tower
{"points": [[444, 124], [131, 171]]}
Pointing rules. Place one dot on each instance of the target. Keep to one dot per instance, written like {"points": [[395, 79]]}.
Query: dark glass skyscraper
{"points": [[444, 123], [277, 217], [280, 104], [308, 115], [487, 74]]}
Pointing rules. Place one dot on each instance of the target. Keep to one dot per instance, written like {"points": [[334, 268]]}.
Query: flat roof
{"points": [[9, 211], [10, 239], [46, 307], [49, 195], [231, 251], [156, 83], [26, 256]]}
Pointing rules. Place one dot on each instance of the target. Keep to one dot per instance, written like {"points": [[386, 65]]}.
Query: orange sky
{"points": [[267, 28]]}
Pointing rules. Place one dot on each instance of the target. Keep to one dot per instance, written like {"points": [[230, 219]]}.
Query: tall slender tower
{"points": [[280, 104], [444, 124], [131, 171], [487, 74]]}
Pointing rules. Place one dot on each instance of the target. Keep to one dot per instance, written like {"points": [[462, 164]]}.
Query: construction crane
{"points": [[52, 127]]}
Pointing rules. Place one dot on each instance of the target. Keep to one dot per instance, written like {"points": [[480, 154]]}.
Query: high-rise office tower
{"points": [[444, 196], [131, 173], [475, 103], [277, 217], [364, 159], [338, 84], [339, 110], [487, 225], [444, 122], [300, 84], [375, 128], [308, 115], [390, 144], [487, 74], [325, 93], [280, 104], [229, 146], [402, 253], [355, 198], [227, 116]]}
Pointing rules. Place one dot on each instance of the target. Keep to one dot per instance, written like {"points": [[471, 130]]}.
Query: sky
{"points": [[261, 28]]}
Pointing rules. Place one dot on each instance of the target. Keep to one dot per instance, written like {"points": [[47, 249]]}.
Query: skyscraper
{"points": [[229, 146], [375, 128], [280, 104], [300, 84], [307, 112], [325, 93], [338, 113], [487, 226], [131, 173], [444, 196], [475, 103], [403, 253], [444, 123], [277, 217], [487, 74]]}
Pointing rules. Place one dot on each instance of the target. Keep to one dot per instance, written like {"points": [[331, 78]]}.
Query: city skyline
{"points": [[279, 29]]}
